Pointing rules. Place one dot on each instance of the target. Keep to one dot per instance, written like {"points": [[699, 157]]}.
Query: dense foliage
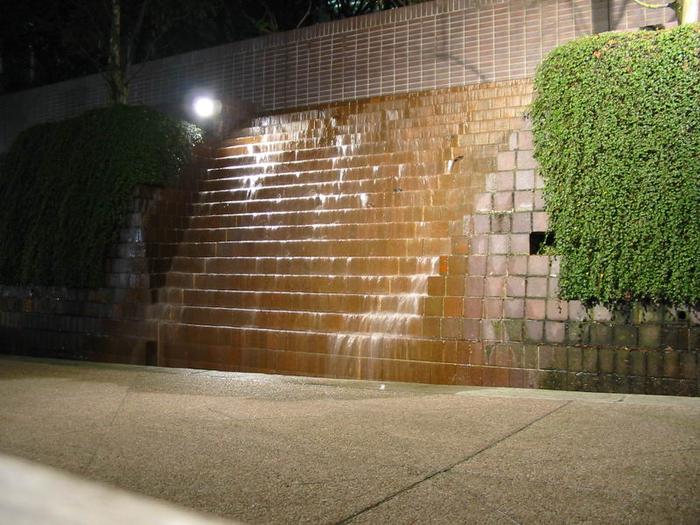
{"points": [[617, 136], [65, 187]]}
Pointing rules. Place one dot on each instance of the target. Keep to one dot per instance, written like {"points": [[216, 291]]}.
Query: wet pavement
{"points": [[275, 449]]}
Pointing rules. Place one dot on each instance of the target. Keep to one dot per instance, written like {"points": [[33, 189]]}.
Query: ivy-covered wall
{"points": [[65, 188], [617, 136]]}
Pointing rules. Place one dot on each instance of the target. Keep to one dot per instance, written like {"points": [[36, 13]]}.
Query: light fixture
{"points": [[205, 107]]}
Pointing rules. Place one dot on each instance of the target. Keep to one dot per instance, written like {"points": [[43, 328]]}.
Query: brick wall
{"points": [[117, 322], [526, 335], [426, 46]]}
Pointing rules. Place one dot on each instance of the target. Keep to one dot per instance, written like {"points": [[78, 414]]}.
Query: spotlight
{"points": [[206, 107]]}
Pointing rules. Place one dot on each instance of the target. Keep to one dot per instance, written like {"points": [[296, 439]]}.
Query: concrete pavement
{"points": [[273, 449]]}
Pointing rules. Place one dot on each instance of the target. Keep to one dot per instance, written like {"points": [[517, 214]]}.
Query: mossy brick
{"points": [[655, 363], [618, 384], [671, 364], [636, 385], [674, 336], [577, 311], [530, 356], [582, 381], [638, 363], [506, 356], [650, 336], [553, 380], [694, 338], [601, 334], [552, 358], [606, 360], [578, 332], [513, 330], [622, 361], [689, 365], [534, 331], [590, 359], [625, 336], [574, 359]]}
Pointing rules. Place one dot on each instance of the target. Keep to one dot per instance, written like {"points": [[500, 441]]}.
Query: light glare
{"points": [[204, 107]]}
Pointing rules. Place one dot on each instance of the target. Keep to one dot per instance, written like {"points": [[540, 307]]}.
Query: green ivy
{"points": [[65, 188], [617, 136]]}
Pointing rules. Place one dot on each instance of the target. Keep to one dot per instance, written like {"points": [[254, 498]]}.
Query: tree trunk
{"points": [[116, 66]]}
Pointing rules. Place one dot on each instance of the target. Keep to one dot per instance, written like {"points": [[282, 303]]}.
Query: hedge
{"points": [[65, 188], [616, 121]]}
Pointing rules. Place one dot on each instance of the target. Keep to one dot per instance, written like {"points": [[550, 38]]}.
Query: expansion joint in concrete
{"points": [[445, 470]]}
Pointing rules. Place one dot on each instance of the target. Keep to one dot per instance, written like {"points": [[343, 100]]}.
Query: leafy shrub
{"points": [[65, 187], [617, 135]]}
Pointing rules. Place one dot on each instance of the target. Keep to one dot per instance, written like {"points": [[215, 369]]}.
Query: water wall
{"points": [[391, 237]]}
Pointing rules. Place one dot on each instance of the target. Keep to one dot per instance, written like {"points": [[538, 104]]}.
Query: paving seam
{"points": [[450, 467], [85, 470]]}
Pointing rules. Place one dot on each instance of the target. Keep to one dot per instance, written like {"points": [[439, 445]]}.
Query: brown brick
{"points": [[482, 223], [495, 376], [493, 286], [451, 328], [525, 180], [517, 265], [534, 331], [535, 309], [522, 222], [514, 308], [525, 160], [515, 286], [474, 286], [496, 265], [536, 287], [538, 265], [557, 310], [502, 201], [453, 306], [554, 332], [505, 161], [471, 329]]}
